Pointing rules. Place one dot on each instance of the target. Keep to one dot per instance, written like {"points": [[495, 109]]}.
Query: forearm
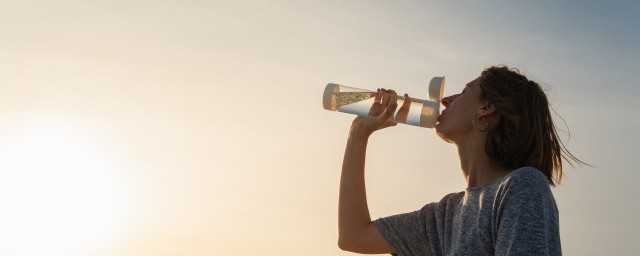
{"points": [[353, 211]]}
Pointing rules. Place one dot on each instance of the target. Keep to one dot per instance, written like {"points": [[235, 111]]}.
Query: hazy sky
{"points": [[196, 127]]}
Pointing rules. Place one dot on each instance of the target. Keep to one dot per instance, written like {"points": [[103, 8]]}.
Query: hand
{"points": [[381, 113]]}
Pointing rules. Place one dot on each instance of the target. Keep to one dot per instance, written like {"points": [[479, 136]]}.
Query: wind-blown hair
{"points": [[524, 134]]}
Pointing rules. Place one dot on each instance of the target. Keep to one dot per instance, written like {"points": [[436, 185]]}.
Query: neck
{"points": [[476, 165]]}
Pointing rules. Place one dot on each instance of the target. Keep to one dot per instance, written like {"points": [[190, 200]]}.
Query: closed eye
{"points": [[465, 88]]}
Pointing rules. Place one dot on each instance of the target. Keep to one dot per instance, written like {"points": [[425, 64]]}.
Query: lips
{"points": [[440, 116]]}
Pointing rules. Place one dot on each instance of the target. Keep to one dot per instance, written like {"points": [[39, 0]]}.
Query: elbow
{"points": [[342, 244], [355, 239], [346, 244]]}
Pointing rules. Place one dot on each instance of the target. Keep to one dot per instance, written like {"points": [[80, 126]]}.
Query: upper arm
{"points": [[368, 240], [412, 233]]}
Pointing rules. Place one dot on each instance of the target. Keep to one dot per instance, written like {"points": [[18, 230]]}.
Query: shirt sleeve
{"points": [[527, 217], [407, 233]]}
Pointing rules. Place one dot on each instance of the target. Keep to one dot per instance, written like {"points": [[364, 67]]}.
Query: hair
{"points": [[524, 134]]}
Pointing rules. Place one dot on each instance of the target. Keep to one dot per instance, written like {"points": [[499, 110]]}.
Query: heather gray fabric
{"points": [[512, 215]]}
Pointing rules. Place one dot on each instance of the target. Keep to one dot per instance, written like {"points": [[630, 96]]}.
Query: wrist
{"points": [[359, 134]]}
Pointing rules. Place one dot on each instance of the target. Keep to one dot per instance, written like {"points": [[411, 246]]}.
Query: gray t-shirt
{"points": [[513, 215]]}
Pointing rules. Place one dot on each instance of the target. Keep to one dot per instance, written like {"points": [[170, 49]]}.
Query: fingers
{"points": [[390, 100], [403, 113], [407, 102], [381, 101], [381, 114], [384, 100], [388, 114], [376, 107], [378, 97], [384, 107], [388, 96], [393, 96]]}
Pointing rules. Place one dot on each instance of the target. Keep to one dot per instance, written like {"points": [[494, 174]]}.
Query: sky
{"points": [[197, 128]]}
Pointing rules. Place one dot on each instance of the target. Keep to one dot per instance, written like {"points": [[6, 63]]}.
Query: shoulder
{"points": [[525, 183], [450, 200], [454, 197], [446, 205], [528, 177]]}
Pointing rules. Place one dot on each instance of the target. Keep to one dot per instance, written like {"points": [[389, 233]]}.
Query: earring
{"points": [[484, 123]]}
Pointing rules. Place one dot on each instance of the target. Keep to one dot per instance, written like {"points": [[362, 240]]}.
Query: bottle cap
{"points": [[436, 88], [431, 107]]}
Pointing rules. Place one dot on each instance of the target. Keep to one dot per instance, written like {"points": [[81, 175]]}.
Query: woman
{"points": [[509, 154]]}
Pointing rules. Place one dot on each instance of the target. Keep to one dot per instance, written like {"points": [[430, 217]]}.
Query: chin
{"points": [[440, 128], [441, 134]]}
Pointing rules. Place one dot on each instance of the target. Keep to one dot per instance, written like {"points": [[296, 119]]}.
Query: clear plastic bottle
{"points": [[423, 113]]}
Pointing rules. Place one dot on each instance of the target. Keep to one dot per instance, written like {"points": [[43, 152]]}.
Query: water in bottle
{"points": [[423, 113]]}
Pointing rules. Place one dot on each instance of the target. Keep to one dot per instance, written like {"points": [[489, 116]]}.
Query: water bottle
{"points": [[423, 113]]}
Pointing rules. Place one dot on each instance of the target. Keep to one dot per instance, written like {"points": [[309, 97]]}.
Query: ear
{"points": [[486, 109]]}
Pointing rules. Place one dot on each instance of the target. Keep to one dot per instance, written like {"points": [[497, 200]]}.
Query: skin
{"points": [[356, 231]]}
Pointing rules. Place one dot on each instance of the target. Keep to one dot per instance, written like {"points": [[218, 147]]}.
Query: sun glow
{"points": [[60, 194]]}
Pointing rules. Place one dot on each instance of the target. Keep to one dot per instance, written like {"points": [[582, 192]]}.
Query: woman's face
{"points": [[455, 121]]}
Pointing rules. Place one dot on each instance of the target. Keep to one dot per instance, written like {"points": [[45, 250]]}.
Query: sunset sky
{"points": [[197, 128]]}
